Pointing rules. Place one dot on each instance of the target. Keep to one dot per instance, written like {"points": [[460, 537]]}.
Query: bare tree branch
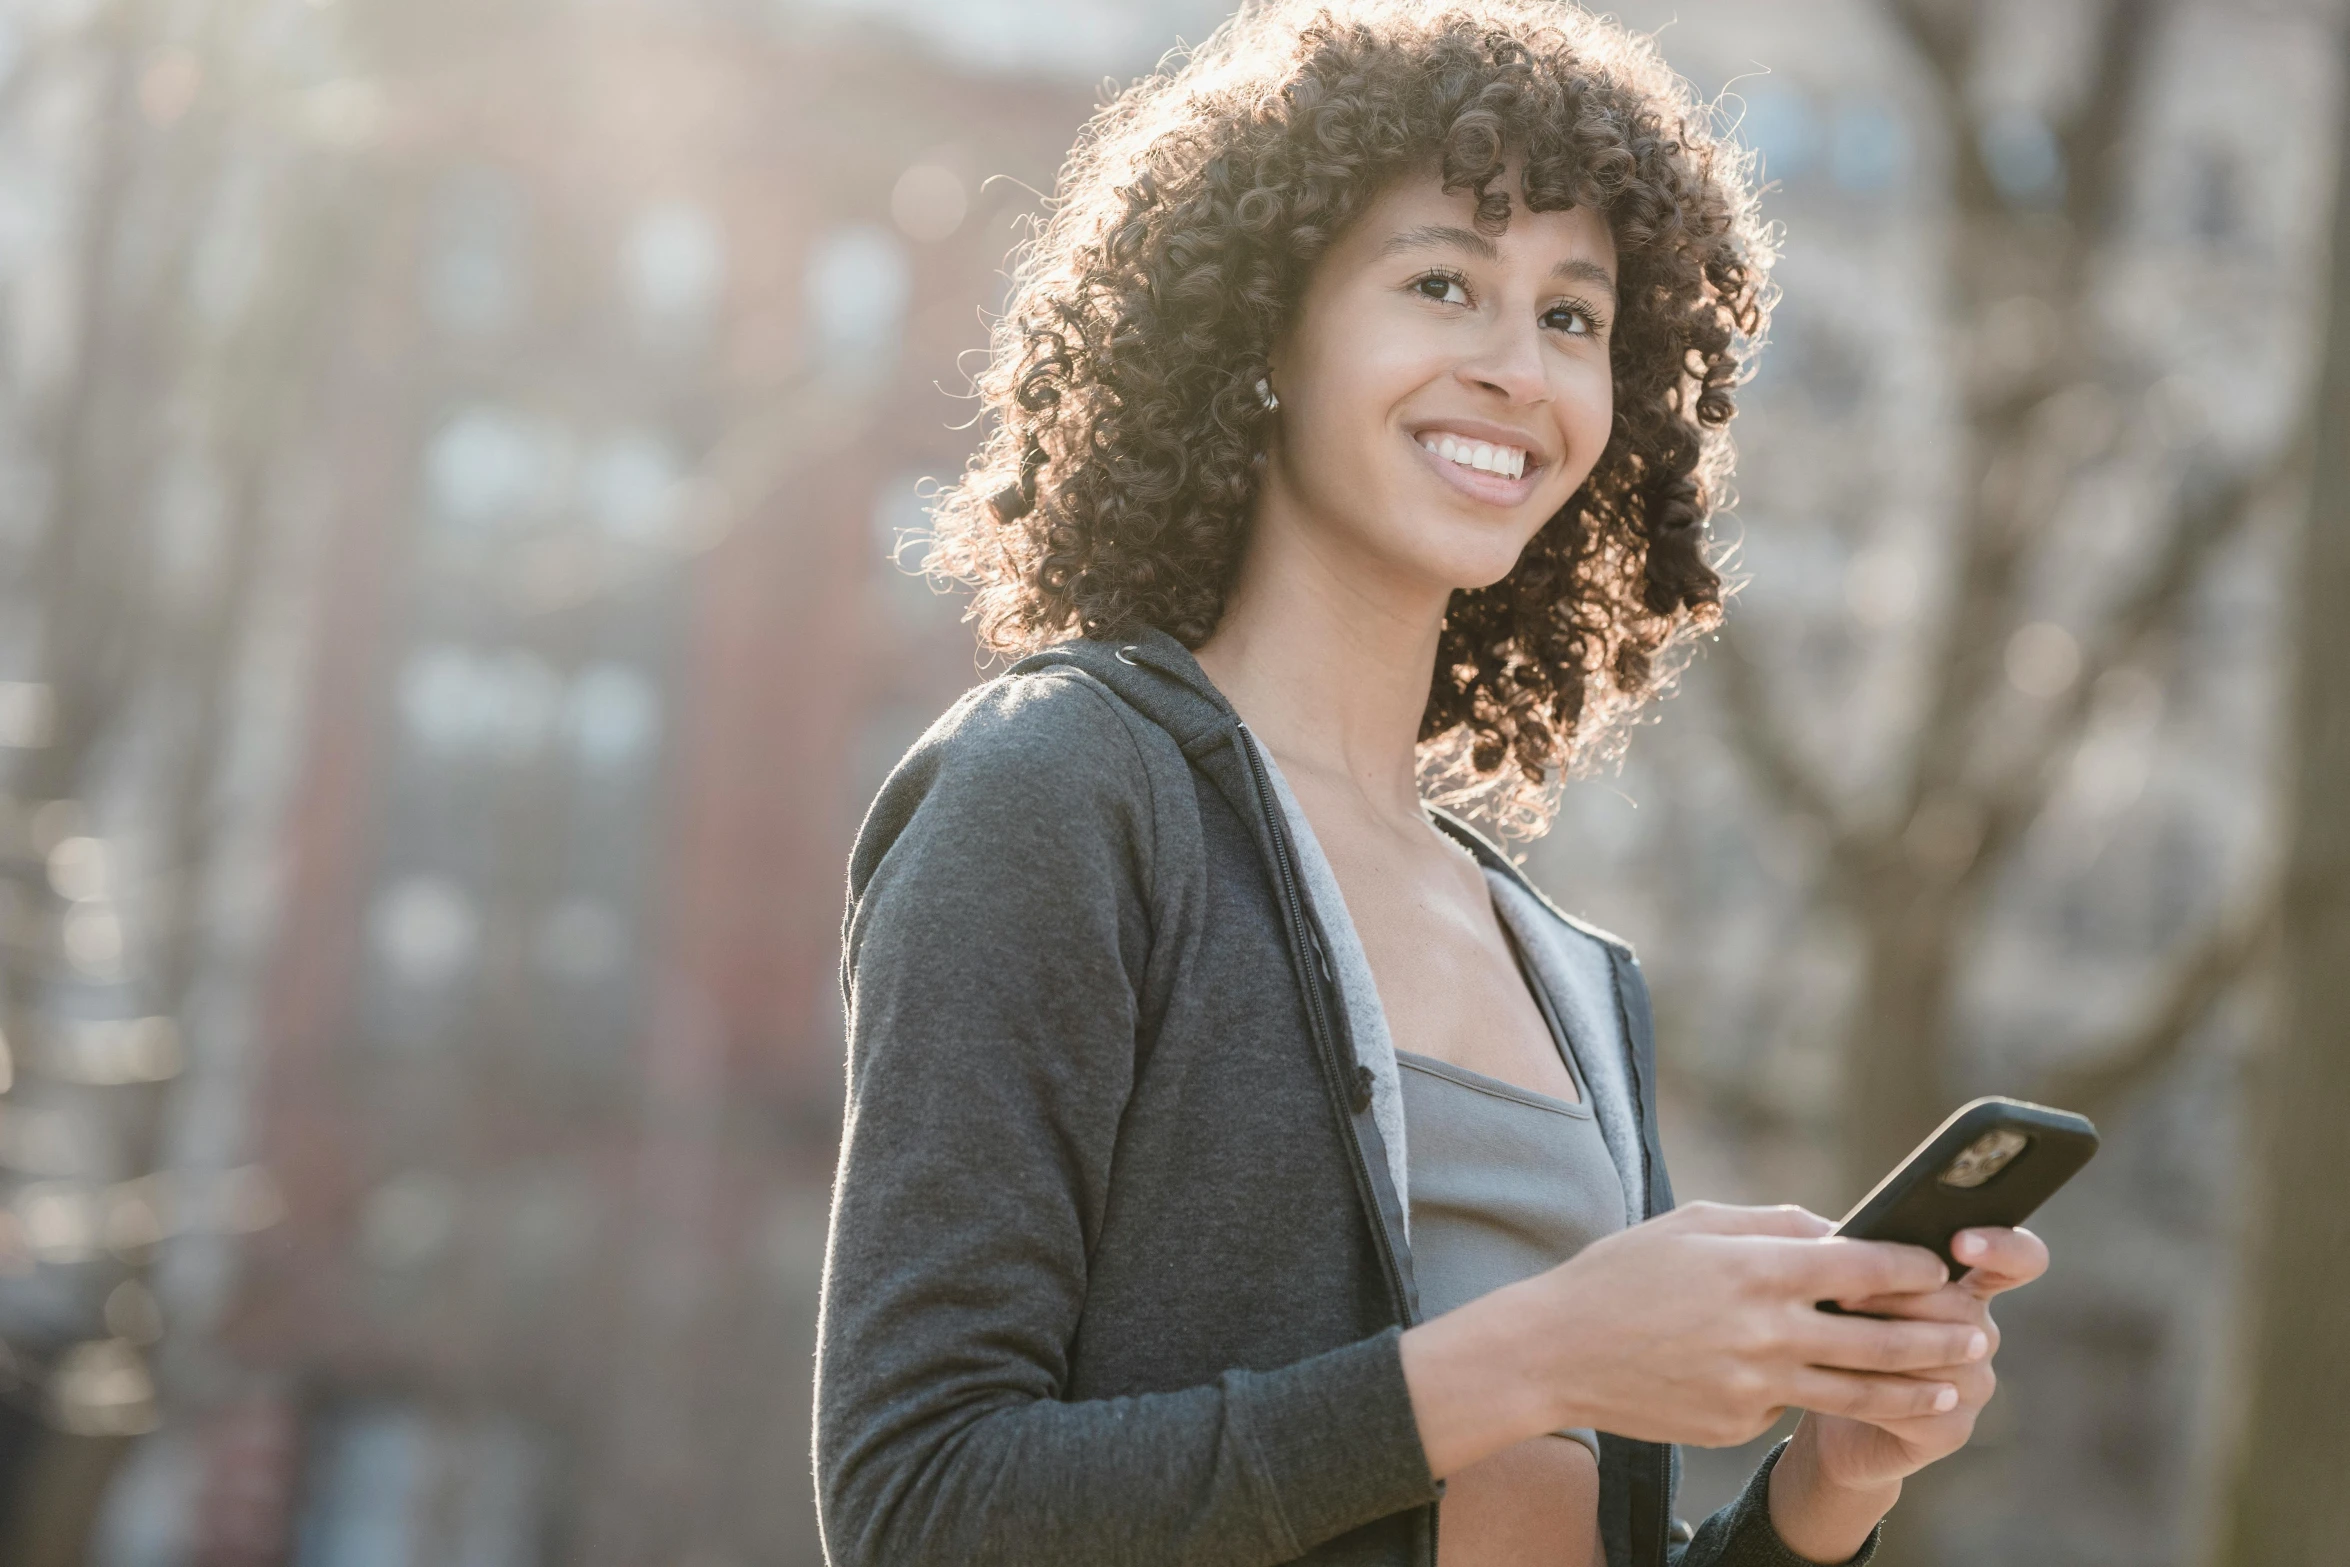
{"points": [[2211, 513], [2001, 528], [1946, 51], [1942, 47], [1759, 734], [2095, 135], [2208, 970]]}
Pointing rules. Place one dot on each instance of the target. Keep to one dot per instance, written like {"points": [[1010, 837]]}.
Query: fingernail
{"points": [[1978, 1346], [1970, 1245], [1945, 1401]]}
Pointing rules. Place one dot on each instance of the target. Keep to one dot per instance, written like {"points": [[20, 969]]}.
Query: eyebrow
{"points": [[1445, 236]]}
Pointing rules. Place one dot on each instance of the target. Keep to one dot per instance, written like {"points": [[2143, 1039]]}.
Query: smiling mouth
{"points": [[1506, 462]]}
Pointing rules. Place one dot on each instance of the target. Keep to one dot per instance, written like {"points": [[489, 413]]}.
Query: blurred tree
{"points": [[2287, 1506], [73, 586], [2038, 218], [2053, 395], [198, 261]]}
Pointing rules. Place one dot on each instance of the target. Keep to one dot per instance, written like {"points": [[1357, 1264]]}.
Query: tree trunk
{"points": [[1913, 920], [1896, 1046], [2287, 1506], [62, 1489]]}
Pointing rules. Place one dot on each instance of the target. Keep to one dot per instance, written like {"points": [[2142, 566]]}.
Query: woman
{"points": [[1243, 1163]]}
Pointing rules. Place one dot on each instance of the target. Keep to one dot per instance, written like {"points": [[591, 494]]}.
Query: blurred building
{"points": [[627, 401]]}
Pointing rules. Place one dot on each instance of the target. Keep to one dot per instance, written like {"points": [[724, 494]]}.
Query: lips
{"points": [[1488, 463]]}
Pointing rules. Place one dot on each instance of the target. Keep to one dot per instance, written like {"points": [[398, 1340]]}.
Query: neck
{"points": [[1328, 657]]}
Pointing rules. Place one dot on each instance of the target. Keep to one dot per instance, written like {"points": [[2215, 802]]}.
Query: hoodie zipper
{"points": [[1302, 938], [1662, 1546], [1317, 980]]}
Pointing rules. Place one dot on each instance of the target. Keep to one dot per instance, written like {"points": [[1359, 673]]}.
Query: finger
{"points": [[1951, 1303], [1860, 1396], [1869, 1344], [1999, 1259], [1975, 1383], [1721, 1218], [1844, 1270]]}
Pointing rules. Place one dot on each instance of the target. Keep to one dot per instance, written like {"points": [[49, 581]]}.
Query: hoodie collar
{"points": [[1156, 675]]}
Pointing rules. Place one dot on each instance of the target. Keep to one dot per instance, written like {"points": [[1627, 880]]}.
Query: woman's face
{"points": [[1443, 391]]}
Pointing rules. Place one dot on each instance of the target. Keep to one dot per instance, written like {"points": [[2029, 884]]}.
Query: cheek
{"points": [[1371, 375], [1345, 404], [1587, 407]]}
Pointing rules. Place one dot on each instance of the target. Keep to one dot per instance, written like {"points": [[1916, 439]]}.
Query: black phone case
{"points": [[1912, 1205]]}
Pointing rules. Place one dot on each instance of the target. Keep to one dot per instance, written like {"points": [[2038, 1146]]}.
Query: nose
{"points": [[1509, 361]]}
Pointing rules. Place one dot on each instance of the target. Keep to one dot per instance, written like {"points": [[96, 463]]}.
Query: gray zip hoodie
{"points": [[1118, 1262]]}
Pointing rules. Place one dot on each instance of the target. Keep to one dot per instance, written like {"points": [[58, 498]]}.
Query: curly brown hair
{"points": [[1115, 487]]}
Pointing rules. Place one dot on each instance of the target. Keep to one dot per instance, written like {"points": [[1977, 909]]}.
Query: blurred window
{"points": [[612, 716], [436, 696], [474, 279], [1869, 148], [425, 930], [2020, 151], [672, 266], [491, 467], [631, 485], [371, 1479], [1780, 123], [856, 289], [393, 1485], [503, 705]]}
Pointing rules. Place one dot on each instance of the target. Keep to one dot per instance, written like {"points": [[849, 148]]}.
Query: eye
{"points": [[1572, 317], [1442, 287]]}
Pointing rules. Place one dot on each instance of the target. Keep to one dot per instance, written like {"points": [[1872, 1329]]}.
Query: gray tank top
{"points": [[1505, 1183]]}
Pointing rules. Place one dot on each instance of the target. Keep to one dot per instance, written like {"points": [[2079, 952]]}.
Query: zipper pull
{"points": [[1362, 1095]]}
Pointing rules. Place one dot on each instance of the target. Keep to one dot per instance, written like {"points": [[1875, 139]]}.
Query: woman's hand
{"points": [[1864, 1450], [1841, 1472], [1698, 1327]]}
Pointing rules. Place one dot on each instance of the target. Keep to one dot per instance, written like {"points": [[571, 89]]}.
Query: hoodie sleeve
{"points": [[999, 926], [1741, 1534]]}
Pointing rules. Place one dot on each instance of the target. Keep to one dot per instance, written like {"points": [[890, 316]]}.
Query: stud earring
{"points": [[1265, 394]]}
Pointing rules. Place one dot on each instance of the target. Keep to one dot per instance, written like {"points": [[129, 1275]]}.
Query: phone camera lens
{"points": [[1983, 1158]]}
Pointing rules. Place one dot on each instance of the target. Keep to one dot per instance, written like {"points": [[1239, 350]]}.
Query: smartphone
{"points": [[1990, 1164]]}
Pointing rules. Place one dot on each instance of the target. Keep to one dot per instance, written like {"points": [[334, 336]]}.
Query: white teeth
{"points": [[1509, 462]]}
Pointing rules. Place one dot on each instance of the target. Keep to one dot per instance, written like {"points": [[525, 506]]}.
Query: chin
{"points": [[1444, 545], [1474, 564]]}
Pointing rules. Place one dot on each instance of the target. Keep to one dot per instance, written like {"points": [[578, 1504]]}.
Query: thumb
{"points": [[1721, 1218]]}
